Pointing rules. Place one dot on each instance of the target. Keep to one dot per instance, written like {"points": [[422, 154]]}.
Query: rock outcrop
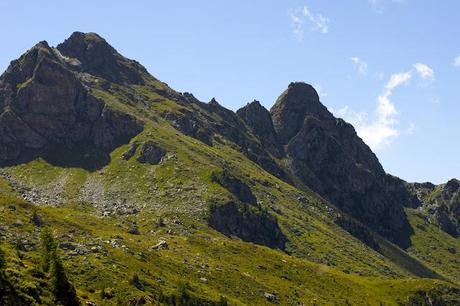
{"points": [[151, 153], [258, 118], [212, 119], [441, 204], [44, 106], [327, 155], [247, 223], [235, 186]]}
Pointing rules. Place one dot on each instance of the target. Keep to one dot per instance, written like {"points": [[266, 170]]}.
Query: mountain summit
{"points": [[144, 186], [46, 105], [97, 57]]}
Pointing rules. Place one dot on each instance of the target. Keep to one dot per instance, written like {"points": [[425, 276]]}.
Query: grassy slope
{"points": [[211, 263], [178, 191], [431, 245]]}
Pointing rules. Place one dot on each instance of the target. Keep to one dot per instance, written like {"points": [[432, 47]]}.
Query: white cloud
{"points": [[456, 62], [382, 130], [297, 26], [397, 80], [355, 118], [300, 15], [360, 65], [424, 71]]}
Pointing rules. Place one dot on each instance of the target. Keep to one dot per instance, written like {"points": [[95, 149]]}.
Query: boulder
{"points": [[161, 245], [270, 297], [151, 153], [131, 151]]}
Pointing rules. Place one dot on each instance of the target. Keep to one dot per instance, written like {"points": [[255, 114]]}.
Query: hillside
{"points": [[154, 197]]}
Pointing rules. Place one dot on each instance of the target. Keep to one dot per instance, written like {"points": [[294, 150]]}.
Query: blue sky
{"points": [[388, 66]]}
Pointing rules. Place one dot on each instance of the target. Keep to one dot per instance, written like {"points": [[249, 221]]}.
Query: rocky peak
{"points": [[452, 186], [258, 118], [214, 101], [326, 154], [19, 70], [99, 58], [44, 105], [227, 115], [291, 108]]}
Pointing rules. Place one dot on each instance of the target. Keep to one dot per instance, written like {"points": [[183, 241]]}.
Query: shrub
{"points": [[136, 282]]}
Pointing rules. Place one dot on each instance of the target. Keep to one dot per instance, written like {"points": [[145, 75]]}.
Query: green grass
{"points": [[326, 264], [431, 245], [212, 264]]}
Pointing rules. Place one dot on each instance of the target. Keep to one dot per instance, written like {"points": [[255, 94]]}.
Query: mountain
{"points": [[440, 204], [136, 194]]}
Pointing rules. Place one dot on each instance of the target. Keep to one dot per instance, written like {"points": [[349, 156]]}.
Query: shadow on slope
{"points": [[404, 260], [83, 156], [251, 224]]}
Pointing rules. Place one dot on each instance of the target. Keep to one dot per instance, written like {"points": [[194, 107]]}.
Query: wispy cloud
{"points": [[319, 21], [297, 23], [424, 71], [456, 62], [302, 15], [382, 129], [361, 66]]}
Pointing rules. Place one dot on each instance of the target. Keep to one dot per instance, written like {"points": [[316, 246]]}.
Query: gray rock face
{"points": [[294, 104], [44, 105], [258, 118], [114, 128], [188, 124], [98, 58], [151, 153], [236, 187], [211, 119], [441, 203], [247, 223], [327, 155], [131, 151]]}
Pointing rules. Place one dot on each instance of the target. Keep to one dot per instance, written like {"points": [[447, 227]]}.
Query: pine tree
{"points": [[64, 292], [48, 248]]}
